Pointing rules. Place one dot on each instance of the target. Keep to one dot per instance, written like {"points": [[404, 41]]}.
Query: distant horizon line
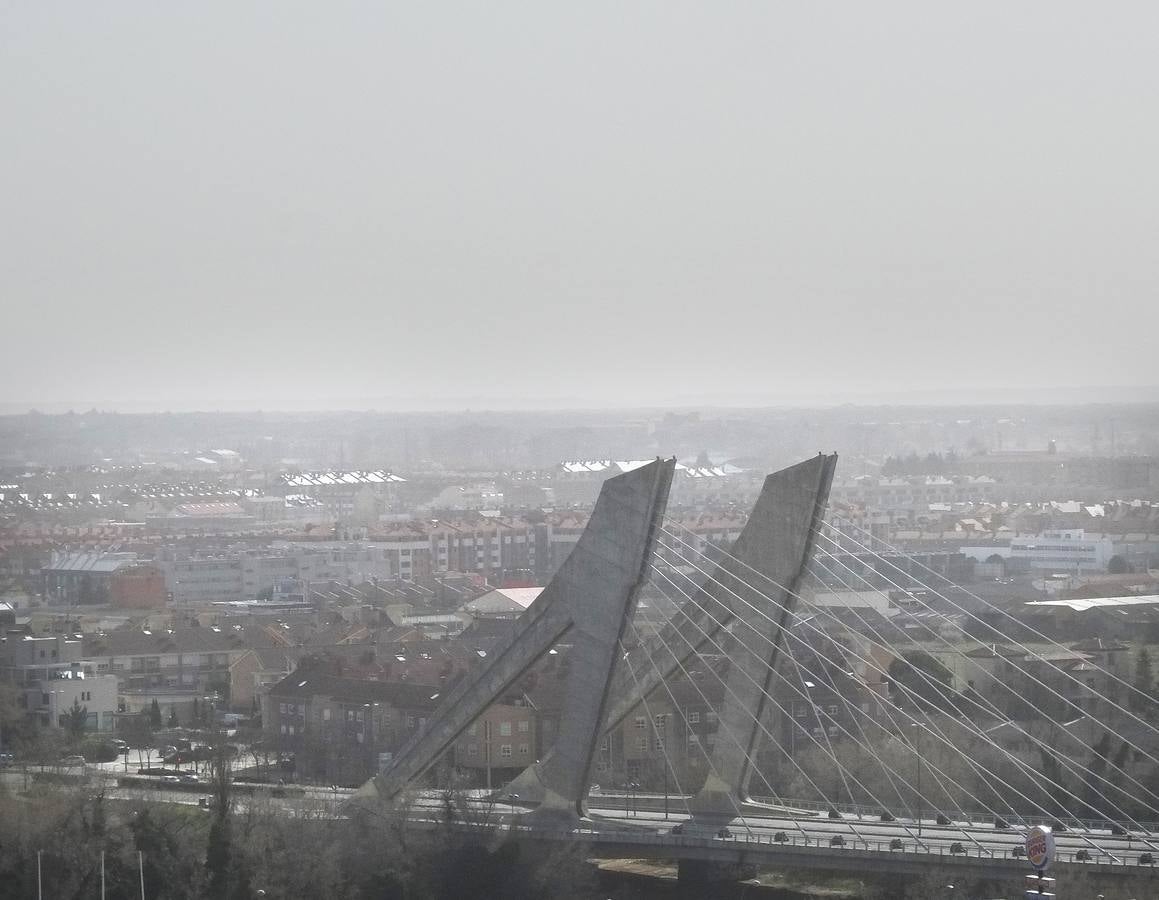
{"points": [[1053, 396]]}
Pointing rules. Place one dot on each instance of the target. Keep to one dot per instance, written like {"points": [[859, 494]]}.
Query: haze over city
{"points": [[606, 451], [241, 206]]}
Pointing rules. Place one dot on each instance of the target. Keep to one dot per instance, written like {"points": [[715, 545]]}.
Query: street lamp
{"points": [[511, 800], [633, 796], [918, 779]]}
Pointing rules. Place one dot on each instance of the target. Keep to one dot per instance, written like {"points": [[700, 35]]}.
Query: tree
{"points": [[137, 732], [76, 720], [919, 678], [155, 714], [1144, 678], [1118, 565], [173, 720], [227, 875]]}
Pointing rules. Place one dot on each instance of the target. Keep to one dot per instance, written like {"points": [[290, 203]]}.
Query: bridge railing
{"points": [[956, 816], [1077, 856]]}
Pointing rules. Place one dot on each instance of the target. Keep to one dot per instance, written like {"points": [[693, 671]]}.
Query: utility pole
{"points": [[487, 749]]}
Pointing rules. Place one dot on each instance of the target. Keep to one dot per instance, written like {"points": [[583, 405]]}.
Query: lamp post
{"points": [[918, 778], [487, 750], [511, 800], [665, 787]]}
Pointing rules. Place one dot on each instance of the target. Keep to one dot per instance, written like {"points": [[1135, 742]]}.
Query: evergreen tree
{"points": [[155, 714], [1144, 678], [173, 720], [76, 720]]}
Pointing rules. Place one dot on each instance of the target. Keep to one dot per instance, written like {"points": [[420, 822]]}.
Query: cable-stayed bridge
{"points": [[837, 742]]}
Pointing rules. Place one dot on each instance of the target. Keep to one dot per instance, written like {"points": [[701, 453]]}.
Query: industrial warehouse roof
{"points": [[502, 601], [332, 479], [1083, 604], [89, 562]]}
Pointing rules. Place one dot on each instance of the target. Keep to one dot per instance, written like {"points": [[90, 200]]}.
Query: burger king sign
{"points": [[1039, 846]]}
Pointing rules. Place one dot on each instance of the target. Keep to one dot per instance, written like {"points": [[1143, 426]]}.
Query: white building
{"points": [[1066, 551]]}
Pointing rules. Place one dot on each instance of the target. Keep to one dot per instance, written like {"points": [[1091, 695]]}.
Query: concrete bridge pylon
{"points": [[591, 600], [775, 543]]}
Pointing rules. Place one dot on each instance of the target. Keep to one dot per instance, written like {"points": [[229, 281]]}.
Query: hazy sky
{"points": [[233, 205]]}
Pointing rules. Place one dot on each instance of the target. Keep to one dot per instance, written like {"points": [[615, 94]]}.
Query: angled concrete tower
{"points": [[776, 542], [784, 531], [590, 601]]}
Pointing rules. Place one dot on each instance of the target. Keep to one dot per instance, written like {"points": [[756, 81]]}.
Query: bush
{"points": [[99, 751]]}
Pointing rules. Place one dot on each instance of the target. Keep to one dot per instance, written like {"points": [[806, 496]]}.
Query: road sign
{"points": [[1040, 847]]}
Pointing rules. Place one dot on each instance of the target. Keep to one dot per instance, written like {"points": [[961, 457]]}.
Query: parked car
{"points": [[75, 760], [190, 778], [171, 779], [6, 759]]}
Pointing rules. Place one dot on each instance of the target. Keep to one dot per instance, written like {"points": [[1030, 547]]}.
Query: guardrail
{"points": [[957, 816], [821, 844]]}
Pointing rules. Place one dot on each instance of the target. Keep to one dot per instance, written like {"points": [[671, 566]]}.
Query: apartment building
{"points": [[52, 675]]}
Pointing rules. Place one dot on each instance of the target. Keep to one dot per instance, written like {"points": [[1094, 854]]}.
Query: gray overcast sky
{"points": [[233, 205]]}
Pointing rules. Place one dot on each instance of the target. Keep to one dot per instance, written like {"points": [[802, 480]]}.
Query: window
{"points": [[662, 720], [832, 710], [642, 744], [326, 714], [694, 718], [604, 744], [658, 744], [471, 730], [472, 749], [710, 716], [524, 727], [524, 749], [505, 729], [641, 722], [505, 751]]}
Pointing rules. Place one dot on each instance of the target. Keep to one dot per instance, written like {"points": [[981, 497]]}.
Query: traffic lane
{"points": [[935, 837]]}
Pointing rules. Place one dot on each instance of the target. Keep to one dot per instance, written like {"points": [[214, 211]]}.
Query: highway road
{"points": [[611, 822]]}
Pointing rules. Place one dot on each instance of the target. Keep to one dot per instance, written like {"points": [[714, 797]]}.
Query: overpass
{"points": [[901, 752]]}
